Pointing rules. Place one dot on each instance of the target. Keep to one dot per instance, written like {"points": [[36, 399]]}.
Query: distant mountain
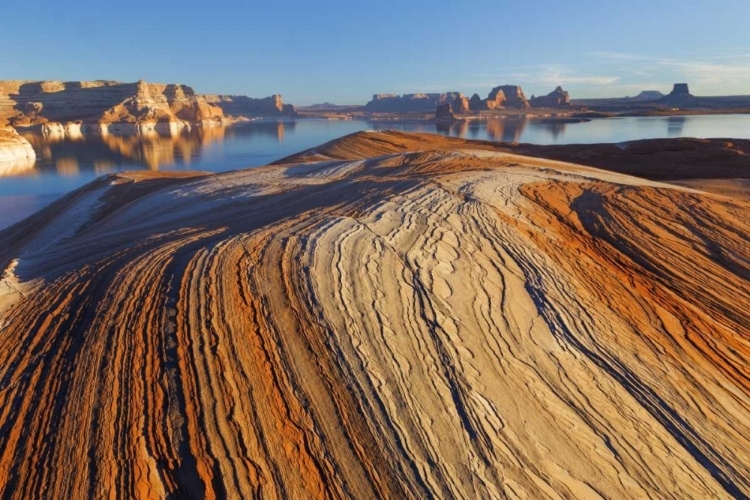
{"points": [[322, 105], [644, 97], [647, 95]]}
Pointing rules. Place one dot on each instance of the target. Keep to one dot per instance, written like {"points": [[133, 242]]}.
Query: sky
{"points": [[345, 51]]}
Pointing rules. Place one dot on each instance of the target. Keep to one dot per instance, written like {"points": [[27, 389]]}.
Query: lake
{"points": [[65, 164]]}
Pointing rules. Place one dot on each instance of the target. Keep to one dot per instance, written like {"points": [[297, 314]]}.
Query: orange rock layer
{"points": [[434, 324]]}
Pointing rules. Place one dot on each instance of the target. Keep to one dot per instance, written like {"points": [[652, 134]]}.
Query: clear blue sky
{"points": [[344, 51]]}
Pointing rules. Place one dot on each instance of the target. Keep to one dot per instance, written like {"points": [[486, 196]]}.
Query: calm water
{"points": [[63, 165]]}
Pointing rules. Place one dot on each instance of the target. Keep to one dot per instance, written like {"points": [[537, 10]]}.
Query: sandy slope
{"points": [[466, 324]]}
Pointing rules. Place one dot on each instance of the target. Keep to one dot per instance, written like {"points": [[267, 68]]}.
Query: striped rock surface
{"points": [[450, 324]]}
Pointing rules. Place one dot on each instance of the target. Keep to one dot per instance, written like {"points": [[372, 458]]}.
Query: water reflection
{"points": [[17, 168], [67, 152], [675, 125], [70, 151], [554, 127], [103, 152], [69, 156], [507, 129]]}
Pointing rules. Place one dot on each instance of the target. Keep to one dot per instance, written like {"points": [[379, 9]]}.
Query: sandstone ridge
{"points": [[445, 321]]}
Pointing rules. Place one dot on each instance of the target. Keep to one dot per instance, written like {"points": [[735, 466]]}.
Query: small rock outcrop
{"points": [[14, 148], [444, 112], [558, 98]]}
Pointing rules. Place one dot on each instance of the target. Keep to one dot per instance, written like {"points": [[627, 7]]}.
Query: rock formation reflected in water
{"points": [[675, 124], [555, 128], [506, 130], [66, 150]]}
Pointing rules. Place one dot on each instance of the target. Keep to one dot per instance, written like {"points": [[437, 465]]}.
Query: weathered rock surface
{"points": [[15, 151], [558, 98], [394, 103], [453, 322], [137, 105], [102, 103]]}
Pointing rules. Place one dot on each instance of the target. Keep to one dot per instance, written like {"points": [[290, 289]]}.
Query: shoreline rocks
{"points": [[33, 103], [14, 148]]}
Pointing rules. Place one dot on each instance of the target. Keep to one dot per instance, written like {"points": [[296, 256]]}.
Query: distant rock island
{"points": [[499, 98], [136, 106], [394, 103], [511, 99], [240, 105]]}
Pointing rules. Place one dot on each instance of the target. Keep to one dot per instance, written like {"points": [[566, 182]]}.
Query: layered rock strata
{"points": [[114, 105], [457, 322]]}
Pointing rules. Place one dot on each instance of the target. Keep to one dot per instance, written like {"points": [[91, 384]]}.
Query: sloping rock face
{"points": [[558, 98], [495, 99], [240, 105], [15, 149], [444, 112], [460, 105], [455, 323], [394, 103], [155, 103], [102, 102]]}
